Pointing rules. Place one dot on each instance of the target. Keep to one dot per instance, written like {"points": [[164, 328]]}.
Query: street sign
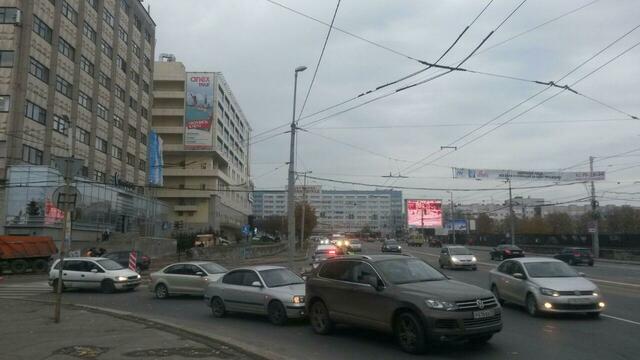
{"points": [[246, 230], [67, 202]]}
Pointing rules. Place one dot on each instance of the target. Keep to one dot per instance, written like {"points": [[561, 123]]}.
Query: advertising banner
{"points": [[198, 117], [424, 213], [460, 225], [492, 174]]}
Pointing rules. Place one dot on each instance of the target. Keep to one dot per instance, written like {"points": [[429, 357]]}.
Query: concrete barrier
{"points": [[235, 252]]}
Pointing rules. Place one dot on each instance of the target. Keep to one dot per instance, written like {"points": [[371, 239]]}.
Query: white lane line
{"points": [[615, 282], [621, 319]]}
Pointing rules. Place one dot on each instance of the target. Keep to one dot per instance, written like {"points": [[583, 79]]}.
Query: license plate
{"points": [[483, 314], [580, 301]]}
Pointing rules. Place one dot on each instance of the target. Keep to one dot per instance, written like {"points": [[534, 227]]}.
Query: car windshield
{"points": [[549, 269], [213, 268], [108, 264], [391, 242], [280, 277], [404, 271], [460, 251]]}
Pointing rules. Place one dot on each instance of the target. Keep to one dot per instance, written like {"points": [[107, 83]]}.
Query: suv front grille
{"points": [[471, 305], [447, 324], [593, 306], [134, 277], [476, 323], [575, 293]]}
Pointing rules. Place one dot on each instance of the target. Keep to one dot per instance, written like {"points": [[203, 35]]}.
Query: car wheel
{"points": [[161, 291], [594, 315], [410, 333], [532, 306], [19, 266], [319, 318], [217, 307], [480, 340], [277, 314], [496, 293], [39, 266], [590, 263], [108, 286], [441, 266], [55, 286], [474, 268]]}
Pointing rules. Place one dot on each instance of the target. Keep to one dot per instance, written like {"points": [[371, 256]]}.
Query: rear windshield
{"points": [[391, 242]]}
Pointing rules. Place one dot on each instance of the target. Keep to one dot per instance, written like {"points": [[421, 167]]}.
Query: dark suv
{"points": [[575, 256], [401, 295]]}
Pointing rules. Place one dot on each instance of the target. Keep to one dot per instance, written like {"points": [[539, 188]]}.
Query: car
{"points": [[435, 243], [355, 246], [324, 252], [93, 273], [575, 256], [545, 285], [401, 295], [274, 291], [506, 251], [143, 262], [187, 278], [324, 241], [453, 256], [391, 246]]}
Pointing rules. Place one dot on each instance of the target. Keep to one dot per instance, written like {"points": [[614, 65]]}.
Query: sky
{"points": [[257, 44]]}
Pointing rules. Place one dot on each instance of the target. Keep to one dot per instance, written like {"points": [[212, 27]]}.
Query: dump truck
{"points": [[415, 239], [23, 253]]}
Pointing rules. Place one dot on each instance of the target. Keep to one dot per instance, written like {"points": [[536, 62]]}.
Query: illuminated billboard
{"points": [[198, 117], [424, 213]]}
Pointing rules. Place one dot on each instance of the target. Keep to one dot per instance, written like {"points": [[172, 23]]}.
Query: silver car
{"points": [[266, 290], [457, 257], [545, 285], [188, 278]]}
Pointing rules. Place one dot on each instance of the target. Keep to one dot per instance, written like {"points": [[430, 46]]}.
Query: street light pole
{"points": [[594, 212], [291, 211], [511, 215], [453, 219]]}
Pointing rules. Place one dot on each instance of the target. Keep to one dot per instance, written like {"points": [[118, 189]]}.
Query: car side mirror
{"points": [[519, 276], [200, 273], [94, 270], [256, 284]]}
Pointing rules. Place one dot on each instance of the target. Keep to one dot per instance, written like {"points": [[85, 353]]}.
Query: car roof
{"points": [[535, 259], [260, 267], [85, 258]]}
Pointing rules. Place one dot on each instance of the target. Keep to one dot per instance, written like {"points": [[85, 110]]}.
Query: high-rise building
{"points": [[75, 79], [205, 143]]}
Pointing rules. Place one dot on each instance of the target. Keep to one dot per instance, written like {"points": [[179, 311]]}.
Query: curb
{"points": [[193, 334]]}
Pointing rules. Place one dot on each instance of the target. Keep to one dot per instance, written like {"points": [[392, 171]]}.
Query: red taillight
{"points": [[332, 252], [507, 251], [576, 254]]}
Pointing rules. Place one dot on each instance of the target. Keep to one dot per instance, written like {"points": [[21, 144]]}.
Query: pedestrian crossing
{"points": [[24, 290]]}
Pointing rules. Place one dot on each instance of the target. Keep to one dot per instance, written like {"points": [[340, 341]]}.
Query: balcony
{"points": [[169, 129], [181, 193], [181, 172], [168, 94], [167, 111], [186, 208]]}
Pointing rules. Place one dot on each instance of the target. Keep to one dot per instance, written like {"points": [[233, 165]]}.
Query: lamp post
{"points": [[291, 211]]}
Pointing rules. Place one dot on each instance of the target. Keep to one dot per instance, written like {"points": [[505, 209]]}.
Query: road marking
{"points": [[615, 282], [621, 319], [21, 291]]}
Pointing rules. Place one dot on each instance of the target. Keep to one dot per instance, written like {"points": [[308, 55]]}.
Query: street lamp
{"points": [[291, 211]]}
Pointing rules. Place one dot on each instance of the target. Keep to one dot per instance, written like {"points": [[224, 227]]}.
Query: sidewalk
{"points": [[28, 332]]}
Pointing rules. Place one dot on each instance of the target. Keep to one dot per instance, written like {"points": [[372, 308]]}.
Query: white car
{"points": [[93, 273], [188, 278]]}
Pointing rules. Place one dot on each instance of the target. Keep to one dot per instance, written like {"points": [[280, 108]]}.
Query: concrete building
{"points": [[205, 139], [339, 210]]}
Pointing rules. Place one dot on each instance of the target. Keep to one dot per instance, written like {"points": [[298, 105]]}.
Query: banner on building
{"points": [[460, 225], [561, 176], [423, 213], [156, 161], [198, 117]]}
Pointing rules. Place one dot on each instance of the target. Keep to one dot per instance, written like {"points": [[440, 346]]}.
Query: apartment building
{"points": [[205, 138]]}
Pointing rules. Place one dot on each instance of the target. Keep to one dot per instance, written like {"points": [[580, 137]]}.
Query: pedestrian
{"points": [[108, 231]]}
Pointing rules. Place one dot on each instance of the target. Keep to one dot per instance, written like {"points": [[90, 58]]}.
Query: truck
{"points": [[415, 239], [22, 253]]}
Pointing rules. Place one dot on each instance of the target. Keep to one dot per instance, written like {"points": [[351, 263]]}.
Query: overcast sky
{"points": [[257, 45]]}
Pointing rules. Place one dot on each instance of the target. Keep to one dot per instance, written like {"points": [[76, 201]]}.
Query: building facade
{"points": [[205, 144], [339, 210]]}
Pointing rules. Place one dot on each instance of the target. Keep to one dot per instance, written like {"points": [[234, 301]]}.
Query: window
{"points": [[100, 176], [117, 121], [63, 86], [108, 18], [101, 144], [142, 165], [107, 49], [133, 131], [147, 62], [5, 103], [131, 159], [116, 152], [133, 103], [42, 29], [66, 49], [102, 112], [135, 77], [121, 63], [31, 155], [234, 277], [89, 32], [104, 80], [144, 112], [93, 4], [137, 22], [39, 71], [83, 136], [136, 49], [143, 138], [6, 58], [8, 15], [145, 87], [147, 36], [338, 270], [124, 6], [119, 93], [85, 101], [69, 12], [60, 124], [35, 112], [123, 34], [86, 65]]}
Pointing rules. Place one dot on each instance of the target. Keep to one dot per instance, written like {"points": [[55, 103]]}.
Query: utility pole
{"points": [[453, 217], [512, 219], [594, 211], [291, 202]]}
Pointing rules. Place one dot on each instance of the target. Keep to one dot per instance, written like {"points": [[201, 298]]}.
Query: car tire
{"points": [[161, 291], [319, 318], [54, 284], [590, 263], [277, 313], [107, 286], [474, 268], [19, 266], [532, 306], [496, 293], [441, 266], [594, 315], [217, 307], [410, 333], [39, 266], [480, 340]]}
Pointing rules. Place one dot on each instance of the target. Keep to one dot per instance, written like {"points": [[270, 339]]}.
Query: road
{"points": [[614, 336]]}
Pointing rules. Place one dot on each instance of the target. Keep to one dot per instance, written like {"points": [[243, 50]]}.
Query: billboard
{"points": [[460, 224], [198, 117], [424, 213], [156, 162], [492, 174]]}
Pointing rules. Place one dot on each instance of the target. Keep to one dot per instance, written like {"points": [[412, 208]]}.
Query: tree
{"points": [[310, 219], [273, 225], [485, 225], [559, 223], [622, 220]]}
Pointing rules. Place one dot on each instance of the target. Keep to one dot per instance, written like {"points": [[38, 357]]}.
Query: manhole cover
{"points": [[186, 352], [82, 351]]}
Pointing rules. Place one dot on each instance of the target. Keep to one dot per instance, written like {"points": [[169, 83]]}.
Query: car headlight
{"points": [[440, 305], [298, 299], [346, 243], [138, 277], [548, 292], [473, 258], [399, 247], [339, 243], [455, 259], [121, 278], [595, 293]]}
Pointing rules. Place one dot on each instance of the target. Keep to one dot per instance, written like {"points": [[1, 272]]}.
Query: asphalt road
{"points": [[614, 336]]}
